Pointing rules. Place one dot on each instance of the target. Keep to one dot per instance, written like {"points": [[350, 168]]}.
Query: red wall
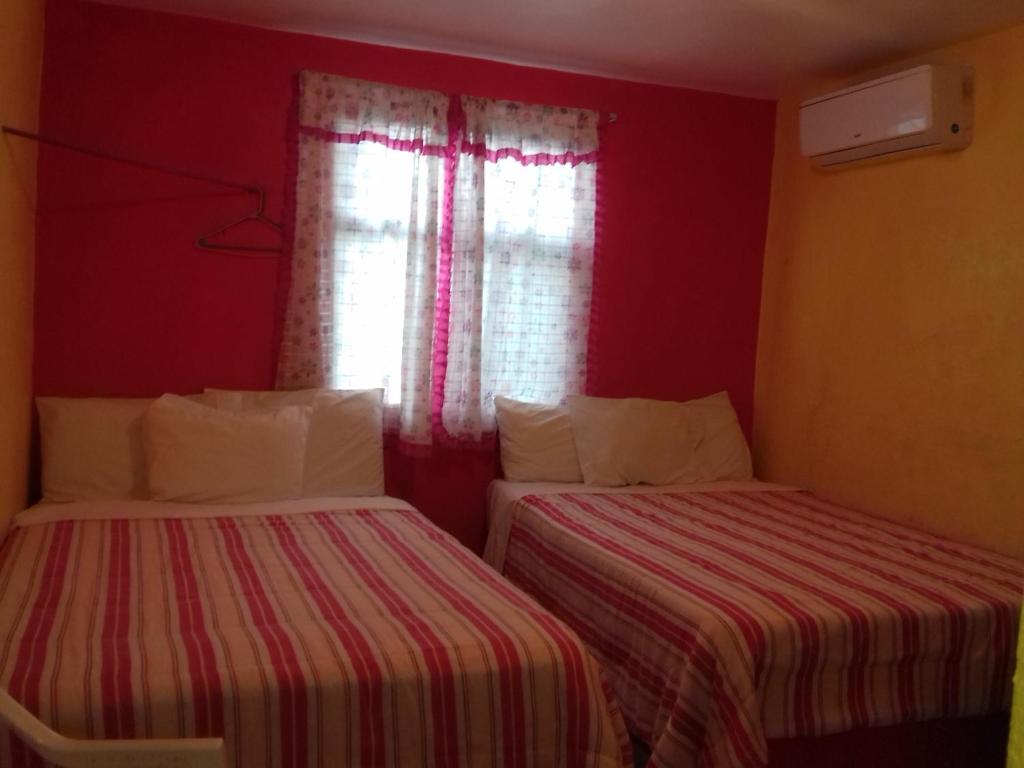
{"points": [[125, 305]]}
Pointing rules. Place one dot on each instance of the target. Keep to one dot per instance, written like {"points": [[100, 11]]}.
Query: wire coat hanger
{"points": [[205, 241]]}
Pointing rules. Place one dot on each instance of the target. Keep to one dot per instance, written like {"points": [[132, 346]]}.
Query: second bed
{"points": [[728, 613]]}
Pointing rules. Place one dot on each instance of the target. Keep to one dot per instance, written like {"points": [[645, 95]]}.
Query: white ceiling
{"points": [[749, 47]]}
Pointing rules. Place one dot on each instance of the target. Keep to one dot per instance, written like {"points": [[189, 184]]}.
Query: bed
{"points": [[314, 632], [729, 613]]}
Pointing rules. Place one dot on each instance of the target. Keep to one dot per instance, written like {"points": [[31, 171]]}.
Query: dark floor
{"points": [[970, 742], [641, 753]]}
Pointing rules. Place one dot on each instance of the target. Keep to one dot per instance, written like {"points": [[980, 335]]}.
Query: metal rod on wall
{"points": [[104, 155], [202, 242]]}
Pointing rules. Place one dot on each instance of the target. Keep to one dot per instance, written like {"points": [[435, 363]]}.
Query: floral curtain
{"points": [[442, 249]]}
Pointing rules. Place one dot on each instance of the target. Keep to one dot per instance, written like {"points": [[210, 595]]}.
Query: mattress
{"points": [[325, 632], [727, 614]]}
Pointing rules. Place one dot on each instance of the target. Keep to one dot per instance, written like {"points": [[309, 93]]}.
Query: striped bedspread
{"points": [[330, 637], [725, 618]]}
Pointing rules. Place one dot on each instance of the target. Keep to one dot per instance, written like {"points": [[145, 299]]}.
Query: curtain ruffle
{"points": [[335, 107], [530, 133]]}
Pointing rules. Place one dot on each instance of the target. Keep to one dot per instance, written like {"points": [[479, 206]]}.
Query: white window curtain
{"points": [[442, 249]]}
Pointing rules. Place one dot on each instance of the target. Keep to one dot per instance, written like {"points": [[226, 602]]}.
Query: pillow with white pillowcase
{"points": [[723, 452], [631, 441], [197, 453], [345, 446], [252, 399], [91, 447], [536, 442]]}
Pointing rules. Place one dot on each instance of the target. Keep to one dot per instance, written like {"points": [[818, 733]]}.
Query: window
{"points": [[383, 198], [443, 251]]}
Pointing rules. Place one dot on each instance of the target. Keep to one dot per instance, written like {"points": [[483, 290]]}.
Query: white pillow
{"points": [[92, 448], [632, 440], [345, 446], [723, 453], [345, 449], [196, 453], [253, 400], [536, 442]]}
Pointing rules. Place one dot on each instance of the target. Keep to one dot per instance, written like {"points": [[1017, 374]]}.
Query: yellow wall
{"points": [[890, 370], [21, 48]]}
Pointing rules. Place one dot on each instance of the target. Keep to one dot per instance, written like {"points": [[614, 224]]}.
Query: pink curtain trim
{"points": [[442, 307], [443, 304], [539, 158], [487, 443], [600, 187], [478, 149], [403, 145], [394, 441]]}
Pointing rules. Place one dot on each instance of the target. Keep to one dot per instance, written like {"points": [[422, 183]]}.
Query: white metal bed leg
{"points": [[108, 753]]}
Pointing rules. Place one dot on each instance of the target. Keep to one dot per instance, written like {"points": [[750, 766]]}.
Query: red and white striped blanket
{"points": [[724, 618], [305, 636]]}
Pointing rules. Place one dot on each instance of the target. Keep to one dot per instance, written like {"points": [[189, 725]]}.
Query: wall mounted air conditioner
{"points": [[927, 108]]}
